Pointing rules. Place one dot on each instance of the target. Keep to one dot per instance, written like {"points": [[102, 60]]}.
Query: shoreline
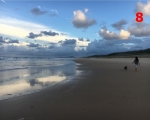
{"points": [[107, 92], [20, 82]]}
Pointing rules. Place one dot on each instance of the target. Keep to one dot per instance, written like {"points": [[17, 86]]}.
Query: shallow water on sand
{"points": [[19, 82]]}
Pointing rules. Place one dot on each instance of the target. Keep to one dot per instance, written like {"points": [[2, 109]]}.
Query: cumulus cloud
{"points": [[42, 33], [37, 11], [51, 47], [68, 48], [63, 34], [103, 47], [2, 40], [124, 34], [33, 45], [119, 25], [108, 35], [87, 39], [68, 42], [49, 33], [81, 39], [7, 40], [81, 21], [32, 35], [13, 41], [144, 8], [139, 29]]}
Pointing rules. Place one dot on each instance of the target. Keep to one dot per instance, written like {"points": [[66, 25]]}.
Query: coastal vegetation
{"points": [[129, 54]]}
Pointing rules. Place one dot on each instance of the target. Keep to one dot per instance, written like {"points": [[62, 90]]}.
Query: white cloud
{"points": [[39, 7], [139, 29], [119, 25], [23, 43], [86, 10], [13, 31], [82, 43], [3, 0], [20, 29], [29, 26], [114, 36], [37, 11], [93, 48], [56, 11], [124, 34], [144, 8], [81, 21], [104, 47], [53, 10]]}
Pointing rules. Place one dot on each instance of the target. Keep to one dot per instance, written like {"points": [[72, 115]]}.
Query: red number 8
{"points": [[139, 17]]}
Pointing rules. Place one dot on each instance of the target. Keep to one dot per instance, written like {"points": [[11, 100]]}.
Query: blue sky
{"points": [[72, 28]]}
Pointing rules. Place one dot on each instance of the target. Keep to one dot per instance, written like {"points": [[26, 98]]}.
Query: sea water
{"points": [[21, 76]]}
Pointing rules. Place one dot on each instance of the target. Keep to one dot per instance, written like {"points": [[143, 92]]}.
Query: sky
{"points": [[72, 28]]}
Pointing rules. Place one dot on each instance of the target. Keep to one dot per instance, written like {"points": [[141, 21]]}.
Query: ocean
{"points": [[21, 76]]}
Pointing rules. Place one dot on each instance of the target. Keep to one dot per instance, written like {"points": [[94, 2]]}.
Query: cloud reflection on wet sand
{"points": [[35, 79]]}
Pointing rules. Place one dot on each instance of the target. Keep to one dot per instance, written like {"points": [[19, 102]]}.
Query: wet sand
{"points": [[18, 82], [106, 92]]}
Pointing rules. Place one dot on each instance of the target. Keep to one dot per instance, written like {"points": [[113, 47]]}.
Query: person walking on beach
{"points": [[136, 62]]}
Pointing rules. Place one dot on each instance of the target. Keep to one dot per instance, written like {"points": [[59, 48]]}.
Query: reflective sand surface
{"points": [[15, 83]]}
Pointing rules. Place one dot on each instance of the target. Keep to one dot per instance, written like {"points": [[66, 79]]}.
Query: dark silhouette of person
{"points": [[136, 62]]}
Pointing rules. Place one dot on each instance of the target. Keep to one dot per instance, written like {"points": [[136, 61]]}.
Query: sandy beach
{"points": [[105, 91]]}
